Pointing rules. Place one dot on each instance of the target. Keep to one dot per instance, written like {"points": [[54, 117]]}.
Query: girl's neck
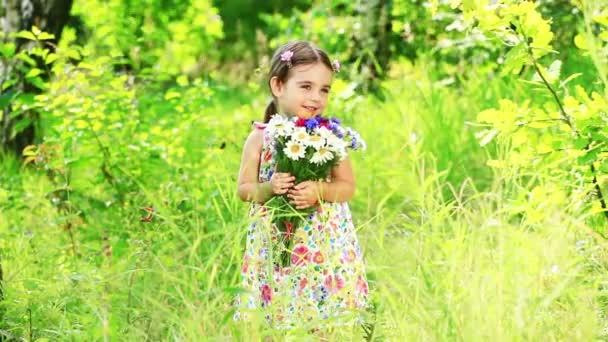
{"points": [[286, 114]]}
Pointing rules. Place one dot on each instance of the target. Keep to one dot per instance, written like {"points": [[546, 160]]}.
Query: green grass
{"points": [[454, 250]]}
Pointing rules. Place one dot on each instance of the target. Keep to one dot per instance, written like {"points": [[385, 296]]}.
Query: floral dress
{"points": [[326, 281]]}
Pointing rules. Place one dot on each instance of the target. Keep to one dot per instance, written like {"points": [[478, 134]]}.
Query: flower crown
{"points": [[288, 54]]}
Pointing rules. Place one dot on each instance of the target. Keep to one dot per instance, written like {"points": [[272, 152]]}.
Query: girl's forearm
{"points": [[255, 192], [336, 191]]}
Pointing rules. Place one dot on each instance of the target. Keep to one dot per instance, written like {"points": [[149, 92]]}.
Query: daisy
{"points": [[322, 155], [336, 144], [280, 126], [300, 135], [315, 141], [324, 132], [294, 150]]}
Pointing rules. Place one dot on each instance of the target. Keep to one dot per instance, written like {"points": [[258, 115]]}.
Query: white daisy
{"points": [[294, 150], [322, 155], [300, 135], [280, 126], [324, 132], [336, 143], [315, 141]]}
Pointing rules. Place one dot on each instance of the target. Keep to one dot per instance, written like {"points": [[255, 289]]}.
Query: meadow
{"points": [[123, 222]]}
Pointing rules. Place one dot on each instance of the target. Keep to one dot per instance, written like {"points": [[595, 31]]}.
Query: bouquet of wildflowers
{"points": [[307, 149]]}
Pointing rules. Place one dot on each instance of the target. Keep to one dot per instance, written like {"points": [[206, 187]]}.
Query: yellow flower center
{"points": [[295, 148]]}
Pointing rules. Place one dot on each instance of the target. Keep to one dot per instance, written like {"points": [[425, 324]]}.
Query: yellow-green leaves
{"points": [[34, 34], [502, 117]]}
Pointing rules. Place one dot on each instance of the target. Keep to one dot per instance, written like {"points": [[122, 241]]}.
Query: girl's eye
{"points": [[326, 91], [306, 86]]}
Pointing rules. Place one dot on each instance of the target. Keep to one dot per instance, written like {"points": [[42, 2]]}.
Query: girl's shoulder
{"points": [[256, 136]]}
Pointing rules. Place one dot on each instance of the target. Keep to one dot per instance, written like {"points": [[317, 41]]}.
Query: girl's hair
{"points": [[303, 53]]}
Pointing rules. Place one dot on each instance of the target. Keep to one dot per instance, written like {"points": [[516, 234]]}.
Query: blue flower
{"points": [[312, 123], [320, 294], [353, 143]]}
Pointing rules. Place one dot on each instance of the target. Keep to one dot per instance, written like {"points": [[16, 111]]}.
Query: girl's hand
{"points": [[305, 194], [280, 182]]}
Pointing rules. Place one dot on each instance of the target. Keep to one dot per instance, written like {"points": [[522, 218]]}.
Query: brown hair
{"points": [[303, 53]]}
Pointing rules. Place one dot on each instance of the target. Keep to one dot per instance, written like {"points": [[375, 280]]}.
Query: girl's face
{"points": [[306, 91]]}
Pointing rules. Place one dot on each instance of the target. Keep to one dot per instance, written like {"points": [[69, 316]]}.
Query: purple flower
{"points": [[320, 294], [335, 120], [353, 143]]}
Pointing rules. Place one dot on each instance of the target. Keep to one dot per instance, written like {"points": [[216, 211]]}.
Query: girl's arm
{"points": [[249, 189], [342, 185]]}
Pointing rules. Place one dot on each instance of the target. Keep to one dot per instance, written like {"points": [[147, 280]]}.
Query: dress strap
{"points": [[259, 125]]}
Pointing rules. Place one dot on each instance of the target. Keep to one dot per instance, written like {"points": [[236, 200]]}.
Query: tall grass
{"points": [[454, 250]]}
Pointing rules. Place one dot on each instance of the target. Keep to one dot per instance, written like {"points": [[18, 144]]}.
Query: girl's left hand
{"points": [[305, 194]]}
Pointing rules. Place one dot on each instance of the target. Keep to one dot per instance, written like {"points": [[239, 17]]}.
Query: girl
{"points": [[326, 279]]}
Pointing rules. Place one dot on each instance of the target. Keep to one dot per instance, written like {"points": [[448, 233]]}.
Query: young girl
{"points": [[326, 282]]}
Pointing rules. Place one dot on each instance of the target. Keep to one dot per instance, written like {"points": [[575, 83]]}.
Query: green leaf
{"points": [[39, 83], [6, 98], [24, 57], [50, 58], [515, 59], [580, 143], [46, 36], [33, 73], [73, 54], [172, 94], [20, 126], [26, 35], [570, 78], [589, 157], [604, 166], [35, 30], [7, 49], [580, 42], [8, 83]]}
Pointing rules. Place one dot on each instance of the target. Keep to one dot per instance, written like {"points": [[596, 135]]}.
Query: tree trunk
{"points": [[373, 43], [17, 15]]}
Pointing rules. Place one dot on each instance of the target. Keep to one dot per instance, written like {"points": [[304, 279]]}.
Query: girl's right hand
{"points": [[281, 182]]}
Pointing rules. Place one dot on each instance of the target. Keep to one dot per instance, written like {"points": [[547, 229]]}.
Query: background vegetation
{"points": [[480, 203]]}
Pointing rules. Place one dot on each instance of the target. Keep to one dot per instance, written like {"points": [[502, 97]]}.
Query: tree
{"points": [[374, 41], [18, 15], [18, 131]]}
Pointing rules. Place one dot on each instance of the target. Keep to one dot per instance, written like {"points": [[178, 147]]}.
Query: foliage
{"points": [[153, 36], [566, 130], [123, 221]]}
